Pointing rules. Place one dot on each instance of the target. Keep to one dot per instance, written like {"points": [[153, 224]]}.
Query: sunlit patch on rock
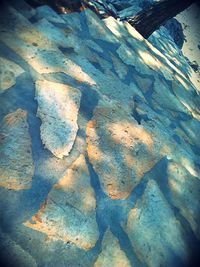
{"points": [[58, 106], [120, 150], [68, 214]]}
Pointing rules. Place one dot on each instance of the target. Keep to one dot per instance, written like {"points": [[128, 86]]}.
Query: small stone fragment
{"points": [[154, 231], [58, 106], [111, 255], [16, 163], [68, 213], [9, 71]]}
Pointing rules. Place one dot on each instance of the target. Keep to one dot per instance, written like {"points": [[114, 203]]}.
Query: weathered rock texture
{"points": [[58, 107], [118, 184], [68, 213], [16, 163], [120, 150], [9, 72], [152, 219], [111, 254]]}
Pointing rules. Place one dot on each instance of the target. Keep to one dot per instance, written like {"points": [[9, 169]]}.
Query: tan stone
{"points": [[120, 150], [111, 255], [16, 163], [58, 106], [68, 213]]}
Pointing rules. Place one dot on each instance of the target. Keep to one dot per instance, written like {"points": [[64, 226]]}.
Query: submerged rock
{"points": [[58, 106], [68, 213], [16, 163]]}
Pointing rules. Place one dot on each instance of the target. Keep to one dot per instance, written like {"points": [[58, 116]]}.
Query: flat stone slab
{"points": [[16, 163], [9, 71], [58, 106], [111, 254], [68, 213], [153, 219], [184, 194], [120, 150]]}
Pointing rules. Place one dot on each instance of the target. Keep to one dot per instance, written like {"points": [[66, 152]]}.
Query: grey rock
{"points": [[9, 71], [68, 214], [152, 219], [111, 254], [58, 106], [16, 163]]}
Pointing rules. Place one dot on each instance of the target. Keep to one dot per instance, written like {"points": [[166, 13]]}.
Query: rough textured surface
{"points": [[119, 115], [120, 150], [58, 107], [111, 254], [185, 191], [152, 219], [9, 72], [68, 214], [17, 255], [16, 163]]}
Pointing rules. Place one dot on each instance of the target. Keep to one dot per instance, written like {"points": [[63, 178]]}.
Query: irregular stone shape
{"points": [[120, 68], [97, 28], [68, 213], [16, 163], [164, 98], [184, 194], [49, 14], [154, 231], [72, 19], [12, 22], [45, 60], [58, 106], [144, 83], [9, 71], [52, 32], [111, 254], [120, 150]]}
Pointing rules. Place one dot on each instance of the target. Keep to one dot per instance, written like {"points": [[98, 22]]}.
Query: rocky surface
{"points": [[152, 219], [129, 149], [111, 254], [9, 72], [16, 163], [68, 213], [58, 107], [101, 127]]}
